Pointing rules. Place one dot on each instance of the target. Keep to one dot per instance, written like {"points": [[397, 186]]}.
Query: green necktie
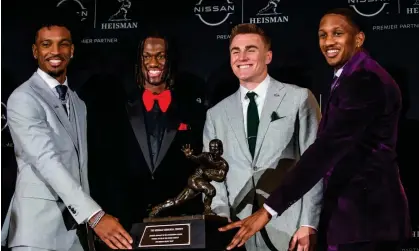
{"points": [[252, 122]]}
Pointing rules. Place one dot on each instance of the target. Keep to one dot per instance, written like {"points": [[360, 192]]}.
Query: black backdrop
{"points": [[107, 44]]}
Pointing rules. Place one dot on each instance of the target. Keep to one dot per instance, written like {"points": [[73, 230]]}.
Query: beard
{"points": [[56, 73]]}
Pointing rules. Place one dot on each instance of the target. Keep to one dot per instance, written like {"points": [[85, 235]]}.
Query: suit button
{"points": [[71, 208]]}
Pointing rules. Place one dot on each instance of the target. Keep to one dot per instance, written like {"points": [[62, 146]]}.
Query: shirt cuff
{"points": [[309, 227], [270, 210], [93, 215]]}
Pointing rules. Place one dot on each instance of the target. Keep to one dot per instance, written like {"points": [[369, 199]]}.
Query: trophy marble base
{"points": [[197, 232]]}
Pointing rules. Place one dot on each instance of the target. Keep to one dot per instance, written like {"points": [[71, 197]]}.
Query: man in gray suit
{"points": [[264, 126], [47, 121]]}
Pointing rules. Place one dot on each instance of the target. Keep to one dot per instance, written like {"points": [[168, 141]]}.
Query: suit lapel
{"points": [[42, 88], [170, 132], [234, 112], [136, 116], [78, 123], [349, 68], [274, 97]]}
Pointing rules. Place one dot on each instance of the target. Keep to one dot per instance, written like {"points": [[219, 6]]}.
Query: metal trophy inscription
{"points": [[213, 168], [163, 235]]}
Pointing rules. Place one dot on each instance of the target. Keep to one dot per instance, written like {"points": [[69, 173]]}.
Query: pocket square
{"points": [[183, 127], [274, 116]]}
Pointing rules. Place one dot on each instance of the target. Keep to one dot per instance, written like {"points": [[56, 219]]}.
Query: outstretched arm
{"points": [[30, 129], [199, 159], [347, 122]]}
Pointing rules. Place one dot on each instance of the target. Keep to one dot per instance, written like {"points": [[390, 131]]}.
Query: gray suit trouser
{"points": [[75, 247]]}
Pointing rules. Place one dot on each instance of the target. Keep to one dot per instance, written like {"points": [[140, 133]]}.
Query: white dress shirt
{"points": [[52, 83], [260, 91]]}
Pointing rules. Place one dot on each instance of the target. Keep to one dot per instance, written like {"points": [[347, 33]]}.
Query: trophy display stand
{"points": [[193, 232], [196, 232]]}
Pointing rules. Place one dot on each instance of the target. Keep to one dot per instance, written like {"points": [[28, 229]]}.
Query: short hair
{"points": [[353, 19], [170, 59], [250, 29], [57, 18]]}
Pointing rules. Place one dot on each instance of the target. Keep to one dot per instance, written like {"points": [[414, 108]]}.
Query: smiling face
{"points": [[53, 49], [249, 57], [154, 61], [338, 39]]}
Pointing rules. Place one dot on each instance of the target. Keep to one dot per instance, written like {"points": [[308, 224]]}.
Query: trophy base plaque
{"points": [[197, 232]]}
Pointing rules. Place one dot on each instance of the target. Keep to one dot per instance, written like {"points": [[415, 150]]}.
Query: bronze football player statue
{"points": [[213, 168]]}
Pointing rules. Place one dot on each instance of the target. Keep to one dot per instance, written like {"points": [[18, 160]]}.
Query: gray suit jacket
{"points": [[280, 141], [51, 153]]}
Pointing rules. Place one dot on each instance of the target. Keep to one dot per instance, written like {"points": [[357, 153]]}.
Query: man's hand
{"points": [[248, 227], [304, 239], [112, 233]]}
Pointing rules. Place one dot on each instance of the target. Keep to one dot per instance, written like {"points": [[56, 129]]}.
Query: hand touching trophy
{"points": [[193, 231]]}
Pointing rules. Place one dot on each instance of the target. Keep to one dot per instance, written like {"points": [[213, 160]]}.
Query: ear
{"points": [[34, 51], [359, 39], [268, 57]]}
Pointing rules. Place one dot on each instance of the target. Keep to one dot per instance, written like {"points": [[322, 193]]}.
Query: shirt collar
{"points": [[52, 82], [339, 71], [260, 90]]}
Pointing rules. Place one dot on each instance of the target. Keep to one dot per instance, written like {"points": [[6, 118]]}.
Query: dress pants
{"points": [[75, 247]]}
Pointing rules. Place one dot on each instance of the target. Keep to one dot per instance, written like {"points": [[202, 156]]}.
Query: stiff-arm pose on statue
{"points": [[213, 168]]}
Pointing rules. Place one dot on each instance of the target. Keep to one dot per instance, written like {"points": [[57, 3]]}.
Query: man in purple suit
{"points": [[365, 207]]}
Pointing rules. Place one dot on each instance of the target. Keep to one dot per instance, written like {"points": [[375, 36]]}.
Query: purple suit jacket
{"points": [[355, 154]]}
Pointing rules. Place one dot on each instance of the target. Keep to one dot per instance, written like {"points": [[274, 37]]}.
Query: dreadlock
{"points": [[168, 75]]}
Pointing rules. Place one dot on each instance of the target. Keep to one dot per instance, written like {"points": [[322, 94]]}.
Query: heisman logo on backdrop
{"points": [[414, 9], [214, 12], [120, 19], [371, 8], [269, 13]]}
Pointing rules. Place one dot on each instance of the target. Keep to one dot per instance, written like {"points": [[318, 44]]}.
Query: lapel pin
{"points": [[276, 95]]}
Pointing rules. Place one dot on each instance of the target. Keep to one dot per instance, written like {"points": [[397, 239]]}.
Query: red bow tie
{"points": [[163, 99]]}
